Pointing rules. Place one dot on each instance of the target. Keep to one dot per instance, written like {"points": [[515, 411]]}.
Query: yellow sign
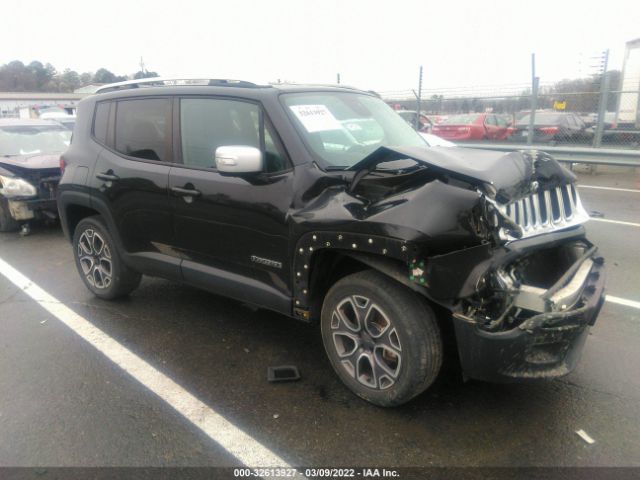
{"points": [[559, 105]]}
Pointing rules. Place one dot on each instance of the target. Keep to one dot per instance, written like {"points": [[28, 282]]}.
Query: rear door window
{"points": [[143, 128]]}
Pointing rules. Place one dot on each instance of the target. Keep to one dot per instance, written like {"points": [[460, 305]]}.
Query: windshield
{"points": [[343, 128], [460, 119], [33, 139]]}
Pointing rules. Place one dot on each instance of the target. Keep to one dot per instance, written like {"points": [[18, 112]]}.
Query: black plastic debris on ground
{"points": [[283, 373]]}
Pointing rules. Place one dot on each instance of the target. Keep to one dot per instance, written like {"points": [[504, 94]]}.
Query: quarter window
{"points": [[100, 122], [143, 128]]}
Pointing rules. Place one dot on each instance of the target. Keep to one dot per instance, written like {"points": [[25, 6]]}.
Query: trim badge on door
{"points": [[265, 261]]}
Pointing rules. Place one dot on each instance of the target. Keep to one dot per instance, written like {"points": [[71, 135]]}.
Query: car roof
{"points": [[26, 122]]}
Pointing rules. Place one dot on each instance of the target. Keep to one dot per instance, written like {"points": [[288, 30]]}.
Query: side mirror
{"points": [[238, 159]]}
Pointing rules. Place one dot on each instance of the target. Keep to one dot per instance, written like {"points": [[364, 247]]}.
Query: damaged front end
{"points": [[30, 187], [496, 239], [531, 312], [525, 285]]}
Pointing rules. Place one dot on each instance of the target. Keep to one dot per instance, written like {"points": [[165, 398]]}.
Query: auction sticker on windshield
{"points": [[316, 118]]}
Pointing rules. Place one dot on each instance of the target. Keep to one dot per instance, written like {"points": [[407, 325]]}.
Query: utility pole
{"points": [[602, 106], [142, 65], [338, 79], [418, 98], [534, 99]]}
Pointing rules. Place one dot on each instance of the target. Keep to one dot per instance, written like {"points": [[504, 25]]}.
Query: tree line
{"points": [[15, 76]]}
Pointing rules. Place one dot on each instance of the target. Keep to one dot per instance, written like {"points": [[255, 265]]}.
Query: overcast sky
{"points": [[373, 44]]}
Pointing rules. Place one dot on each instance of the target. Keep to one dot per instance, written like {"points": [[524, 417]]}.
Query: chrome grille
{"points": [[546, 210]]}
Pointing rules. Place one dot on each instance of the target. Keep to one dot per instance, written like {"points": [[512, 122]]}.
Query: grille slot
{"points": [[547, 210]]}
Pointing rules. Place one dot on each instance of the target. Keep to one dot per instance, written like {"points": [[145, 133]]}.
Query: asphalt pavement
{"points": [[64, 403]]}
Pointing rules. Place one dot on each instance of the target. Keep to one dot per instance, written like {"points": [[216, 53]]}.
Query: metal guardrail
{"points": [[603, 156]]}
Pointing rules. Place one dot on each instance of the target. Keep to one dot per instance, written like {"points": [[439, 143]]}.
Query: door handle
{"points": [[108, 177], [186, 192]]}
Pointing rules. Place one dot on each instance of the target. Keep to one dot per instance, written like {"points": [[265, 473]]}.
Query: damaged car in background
{"points": [[29, 171], [321, 203]]}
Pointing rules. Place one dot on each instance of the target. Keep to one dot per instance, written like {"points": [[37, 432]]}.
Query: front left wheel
{"points": [[98, 262], [382, 339]]}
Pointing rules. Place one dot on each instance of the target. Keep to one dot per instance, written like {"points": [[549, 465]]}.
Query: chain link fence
{"points": [[594, 116]]}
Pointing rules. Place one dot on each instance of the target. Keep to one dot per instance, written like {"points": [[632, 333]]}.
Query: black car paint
{"points": [[385, 220]]}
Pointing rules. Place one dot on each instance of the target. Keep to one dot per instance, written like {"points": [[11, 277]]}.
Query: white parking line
{"points": [[238, 443], [623, 301], [615, 189], [619, 222]]}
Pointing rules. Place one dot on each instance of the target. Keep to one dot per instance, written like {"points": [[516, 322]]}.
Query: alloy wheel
{"points": [[366, 342], [95, 259]]}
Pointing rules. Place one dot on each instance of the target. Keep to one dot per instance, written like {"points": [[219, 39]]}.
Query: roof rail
{"points": [[317, 85], [167, 81]]}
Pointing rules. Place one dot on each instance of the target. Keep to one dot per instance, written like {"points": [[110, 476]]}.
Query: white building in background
{"points": [[629, 102], [88, 89], [27, 104]]}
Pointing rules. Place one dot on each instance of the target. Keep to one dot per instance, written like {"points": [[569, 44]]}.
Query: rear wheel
{"points": [[98, 262], [382, 339]]}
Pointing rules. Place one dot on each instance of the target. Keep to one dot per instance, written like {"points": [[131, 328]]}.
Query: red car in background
{"points": [[425, 124], [474, 126]]}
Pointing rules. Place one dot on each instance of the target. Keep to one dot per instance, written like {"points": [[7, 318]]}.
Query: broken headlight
{"points": [[488, 221], [16, 187]]}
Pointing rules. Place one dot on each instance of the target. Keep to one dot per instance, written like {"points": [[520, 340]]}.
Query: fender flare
{"points": [[381, 253], [69, 198]]}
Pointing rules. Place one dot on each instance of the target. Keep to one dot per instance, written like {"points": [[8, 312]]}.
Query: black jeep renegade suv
{"points": [[322, 203]]}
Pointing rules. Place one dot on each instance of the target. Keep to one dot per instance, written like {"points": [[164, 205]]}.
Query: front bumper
{"points": [[27, 209], [546, 345]]}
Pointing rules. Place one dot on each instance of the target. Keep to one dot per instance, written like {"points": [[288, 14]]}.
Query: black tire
{"points": [[7, 223], [90, 233], [417, 346]]}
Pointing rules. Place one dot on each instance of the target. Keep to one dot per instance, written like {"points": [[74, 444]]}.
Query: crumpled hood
{"points": [[511, 174], [32, 162]]}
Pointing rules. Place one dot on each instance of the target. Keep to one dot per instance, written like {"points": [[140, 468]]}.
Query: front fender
{"points": [[392, 253]]}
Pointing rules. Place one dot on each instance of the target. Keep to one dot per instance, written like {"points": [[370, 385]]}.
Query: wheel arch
{"points": [[73, 207], [74, 214], [323, 258]]}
